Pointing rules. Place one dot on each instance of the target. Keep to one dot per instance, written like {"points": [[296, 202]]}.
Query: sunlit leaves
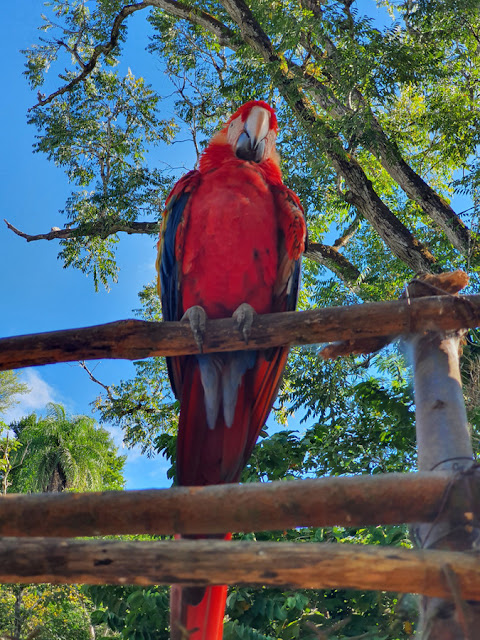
{"points": [[99, 133], [45, 612]]}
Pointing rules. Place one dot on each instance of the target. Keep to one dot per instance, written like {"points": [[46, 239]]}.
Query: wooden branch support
{"points": [[347, 501], [136, 339], [202, 562], [444, 442], [446, 502]]}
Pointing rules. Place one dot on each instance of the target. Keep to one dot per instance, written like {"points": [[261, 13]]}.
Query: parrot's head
{"points": [[249, 135], [252, 131]]}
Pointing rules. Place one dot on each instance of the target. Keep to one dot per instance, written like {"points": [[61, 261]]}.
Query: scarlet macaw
{"points": [[232, 234]]}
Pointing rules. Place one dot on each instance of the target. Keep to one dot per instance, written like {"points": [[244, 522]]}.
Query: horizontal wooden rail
{"points": [[136, 339], [300, 566], [350, 501]]}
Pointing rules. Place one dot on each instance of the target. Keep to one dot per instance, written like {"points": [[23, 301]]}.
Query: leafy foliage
{"points": [[61, 452], [10, 387], [54, 453], [132, 612], [144, 406], [98, 133], [46, 612]]}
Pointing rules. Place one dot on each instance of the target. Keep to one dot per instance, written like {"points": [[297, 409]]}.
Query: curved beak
{"points": [[251, 142]]}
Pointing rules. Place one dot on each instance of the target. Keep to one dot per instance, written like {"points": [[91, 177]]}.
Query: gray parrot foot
{"points": [[197, 318], [243, 316]]}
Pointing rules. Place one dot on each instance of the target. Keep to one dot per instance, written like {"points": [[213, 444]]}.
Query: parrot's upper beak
{"points": [[251, 142]]}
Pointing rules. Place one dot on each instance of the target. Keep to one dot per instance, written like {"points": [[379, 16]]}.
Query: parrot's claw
{"points": [[197, 318], [243, 317]]}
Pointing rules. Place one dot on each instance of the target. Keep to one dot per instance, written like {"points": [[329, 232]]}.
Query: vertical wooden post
{"points": [[444, 443]]}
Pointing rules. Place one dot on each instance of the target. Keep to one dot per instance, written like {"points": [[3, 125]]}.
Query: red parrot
{"points": [[231, 244]]}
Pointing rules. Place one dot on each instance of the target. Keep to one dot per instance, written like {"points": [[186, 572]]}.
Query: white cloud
{"points": [[39, 395], [116, 434]]}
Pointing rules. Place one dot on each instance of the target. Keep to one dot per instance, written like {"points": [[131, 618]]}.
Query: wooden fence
{"points": [[441, 501]]}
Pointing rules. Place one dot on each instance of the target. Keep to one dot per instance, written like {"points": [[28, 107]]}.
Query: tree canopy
{"points": [[10, 388], [59, 452]]}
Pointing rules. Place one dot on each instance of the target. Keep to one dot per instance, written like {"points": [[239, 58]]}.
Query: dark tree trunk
{"points": [[58, 481], [17, 611]]}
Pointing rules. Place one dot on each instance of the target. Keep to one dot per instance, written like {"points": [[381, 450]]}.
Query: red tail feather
{"points": [[196, 613], [202, 620]]}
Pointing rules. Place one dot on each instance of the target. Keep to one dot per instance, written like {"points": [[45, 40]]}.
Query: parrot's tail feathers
{"points": [[266, 382], [196, 613], [210, 456], [215, 456]]}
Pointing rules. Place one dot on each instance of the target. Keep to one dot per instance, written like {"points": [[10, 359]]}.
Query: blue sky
{"points": [[37, 293]]}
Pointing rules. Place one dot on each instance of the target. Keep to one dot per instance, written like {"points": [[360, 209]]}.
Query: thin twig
{"points": [[107, 388]]}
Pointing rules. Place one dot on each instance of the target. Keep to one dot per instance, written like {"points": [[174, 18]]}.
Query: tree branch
{"points": [[393, 232], [419, 191], [392, 161], [348, 234], [332, 258], [224, 35], [101, 49], [106, 388], [209, 562], [177, 9], [322, 254], [95, 229], [137, 339], [250, 29], [386, 151]]}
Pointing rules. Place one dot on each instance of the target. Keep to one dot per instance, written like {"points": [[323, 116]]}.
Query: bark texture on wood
{"points": [[137, 339], [202, 562], [352, 501], [444, 443], [425, 284], [422, 193], [386, 151], [391, 230]]}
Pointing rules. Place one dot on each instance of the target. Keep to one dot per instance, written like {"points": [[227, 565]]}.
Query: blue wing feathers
{"points": [[293, 287], [169, 275]]}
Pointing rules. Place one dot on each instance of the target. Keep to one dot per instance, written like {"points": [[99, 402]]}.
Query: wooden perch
{"points": [[136, 339], [350, 501], [426, 284], [443, 442], [201, 562]]}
